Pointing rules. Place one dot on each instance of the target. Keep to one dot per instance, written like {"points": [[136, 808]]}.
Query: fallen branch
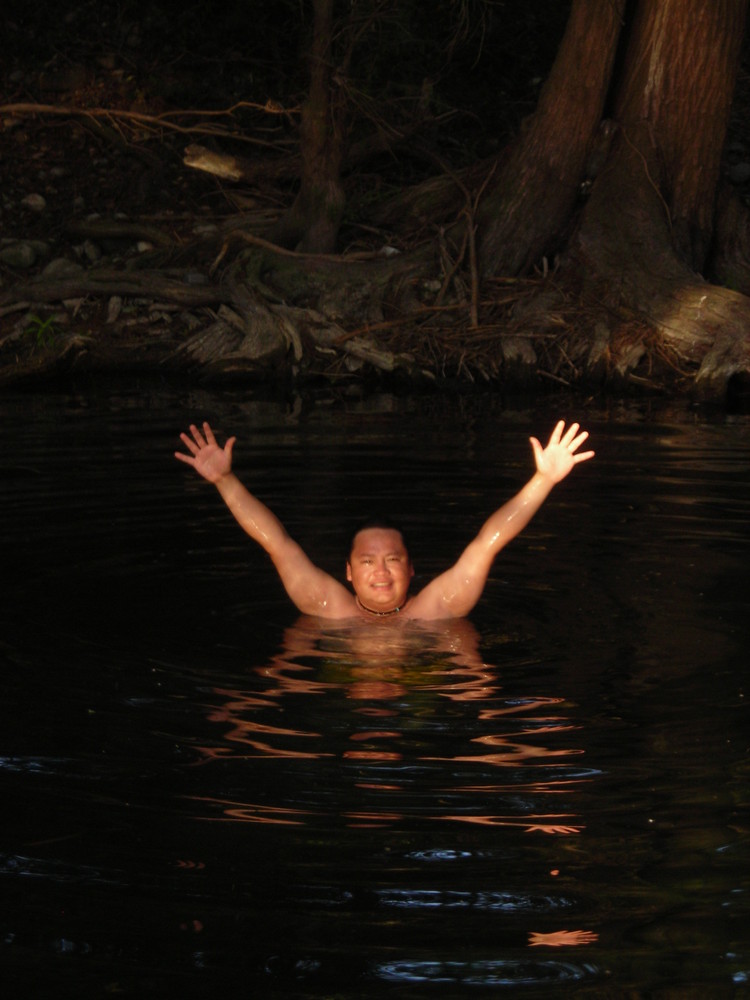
{"points": [[112, 229], [152, 122], [131, 283], [258, 241]]}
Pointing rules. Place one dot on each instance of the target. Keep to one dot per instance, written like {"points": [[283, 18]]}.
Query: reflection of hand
{"points": [[206, 457], [561, 454], [558, 939], [549, 828]]}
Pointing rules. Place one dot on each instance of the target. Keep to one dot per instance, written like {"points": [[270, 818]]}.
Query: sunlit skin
{"points": [[379, 567]]}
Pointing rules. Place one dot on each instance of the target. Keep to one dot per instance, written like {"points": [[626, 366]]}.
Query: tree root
{"points": [[273, 311], [106, 282]]}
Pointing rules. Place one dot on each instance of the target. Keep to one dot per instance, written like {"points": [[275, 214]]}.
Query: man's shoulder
{"points": [[426, 605], [338, 603]]}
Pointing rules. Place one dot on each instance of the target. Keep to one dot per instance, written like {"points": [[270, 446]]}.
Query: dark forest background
{"points": [[111, 109]]}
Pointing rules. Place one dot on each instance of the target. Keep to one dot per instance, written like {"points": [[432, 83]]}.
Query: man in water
{"points": [[379, 567]]}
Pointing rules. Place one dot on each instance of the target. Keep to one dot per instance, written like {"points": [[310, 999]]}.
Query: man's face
{"points": [[379, 569]]}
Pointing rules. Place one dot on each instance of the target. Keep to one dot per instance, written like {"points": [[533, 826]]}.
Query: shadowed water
{"points": [[204, 791]]}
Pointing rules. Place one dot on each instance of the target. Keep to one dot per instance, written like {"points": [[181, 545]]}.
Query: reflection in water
{"points": [[559, 939], [487, 973], [403, 726], [366, 814], [417, 716]]}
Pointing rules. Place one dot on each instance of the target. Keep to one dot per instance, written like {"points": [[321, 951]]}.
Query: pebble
{"points": [[20, 255], [61, 267], [36, 202], [114, 308], [91, 251], [205, 229]]}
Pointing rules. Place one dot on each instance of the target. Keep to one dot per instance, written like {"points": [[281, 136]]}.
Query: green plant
{"points": [[43, 330]]}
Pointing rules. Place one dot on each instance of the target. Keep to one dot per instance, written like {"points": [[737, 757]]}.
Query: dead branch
{"points": [[110, 282], [152, 122], [258, 241]]}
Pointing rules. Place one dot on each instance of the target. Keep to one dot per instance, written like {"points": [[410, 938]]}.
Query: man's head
{"points": [[379, 567]]}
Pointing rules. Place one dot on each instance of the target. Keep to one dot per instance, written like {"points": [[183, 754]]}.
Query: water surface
{"points": [[202, 788]]}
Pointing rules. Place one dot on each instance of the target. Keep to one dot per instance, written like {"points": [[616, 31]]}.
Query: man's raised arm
{"points": [[455, 592], [311, 589]]}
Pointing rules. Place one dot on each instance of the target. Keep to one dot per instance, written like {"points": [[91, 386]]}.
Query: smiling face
{"points": [[379, 569]]}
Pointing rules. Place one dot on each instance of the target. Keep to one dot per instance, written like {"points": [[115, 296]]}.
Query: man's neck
{"points": [[379, 614]]}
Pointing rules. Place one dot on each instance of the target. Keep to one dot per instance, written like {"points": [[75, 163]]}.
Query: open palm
{"points": [[206, 457], [561, 454]]}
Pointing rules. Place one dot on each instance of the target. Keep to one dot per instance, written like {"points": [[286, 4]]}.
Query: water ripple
{"points": [[506, 902], [489, 972]]}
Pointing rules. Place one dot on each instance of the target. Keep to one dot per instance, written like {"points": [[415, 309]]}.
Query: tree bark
{"points": [[673, 106], [650, 218], [312, 223], [538, 181]]}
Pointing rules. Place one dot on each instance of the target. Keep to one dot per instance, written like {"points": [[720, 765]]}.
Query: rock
{"points": [[40, 247], [91, 251], [114, 308], [61, 267], [35, 202], [205, 229], [21, 255]]}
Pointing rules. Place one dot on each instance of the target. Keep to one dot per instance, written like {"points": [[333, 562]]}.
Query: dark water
{"points": [[203, 792]]}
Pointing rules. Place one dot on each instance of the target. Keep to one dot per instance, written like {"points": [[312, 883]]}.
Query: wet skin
{"points": [[379, 567]]}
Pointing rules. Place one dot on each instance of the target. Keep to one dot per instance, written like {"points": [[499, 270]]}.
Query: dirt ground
{"points": [[61, 172], [63, 169]]}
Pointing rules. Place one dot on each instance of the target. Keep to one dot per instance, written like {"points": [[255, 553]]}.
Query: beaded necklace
{"points": [[379, 614]]}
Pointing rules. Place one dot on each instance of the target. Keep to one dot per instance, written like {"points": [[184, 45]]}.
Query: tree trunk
{"points": [[312, 223], [539, 180], [730, 259], [673, 105], [650, 218]]}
